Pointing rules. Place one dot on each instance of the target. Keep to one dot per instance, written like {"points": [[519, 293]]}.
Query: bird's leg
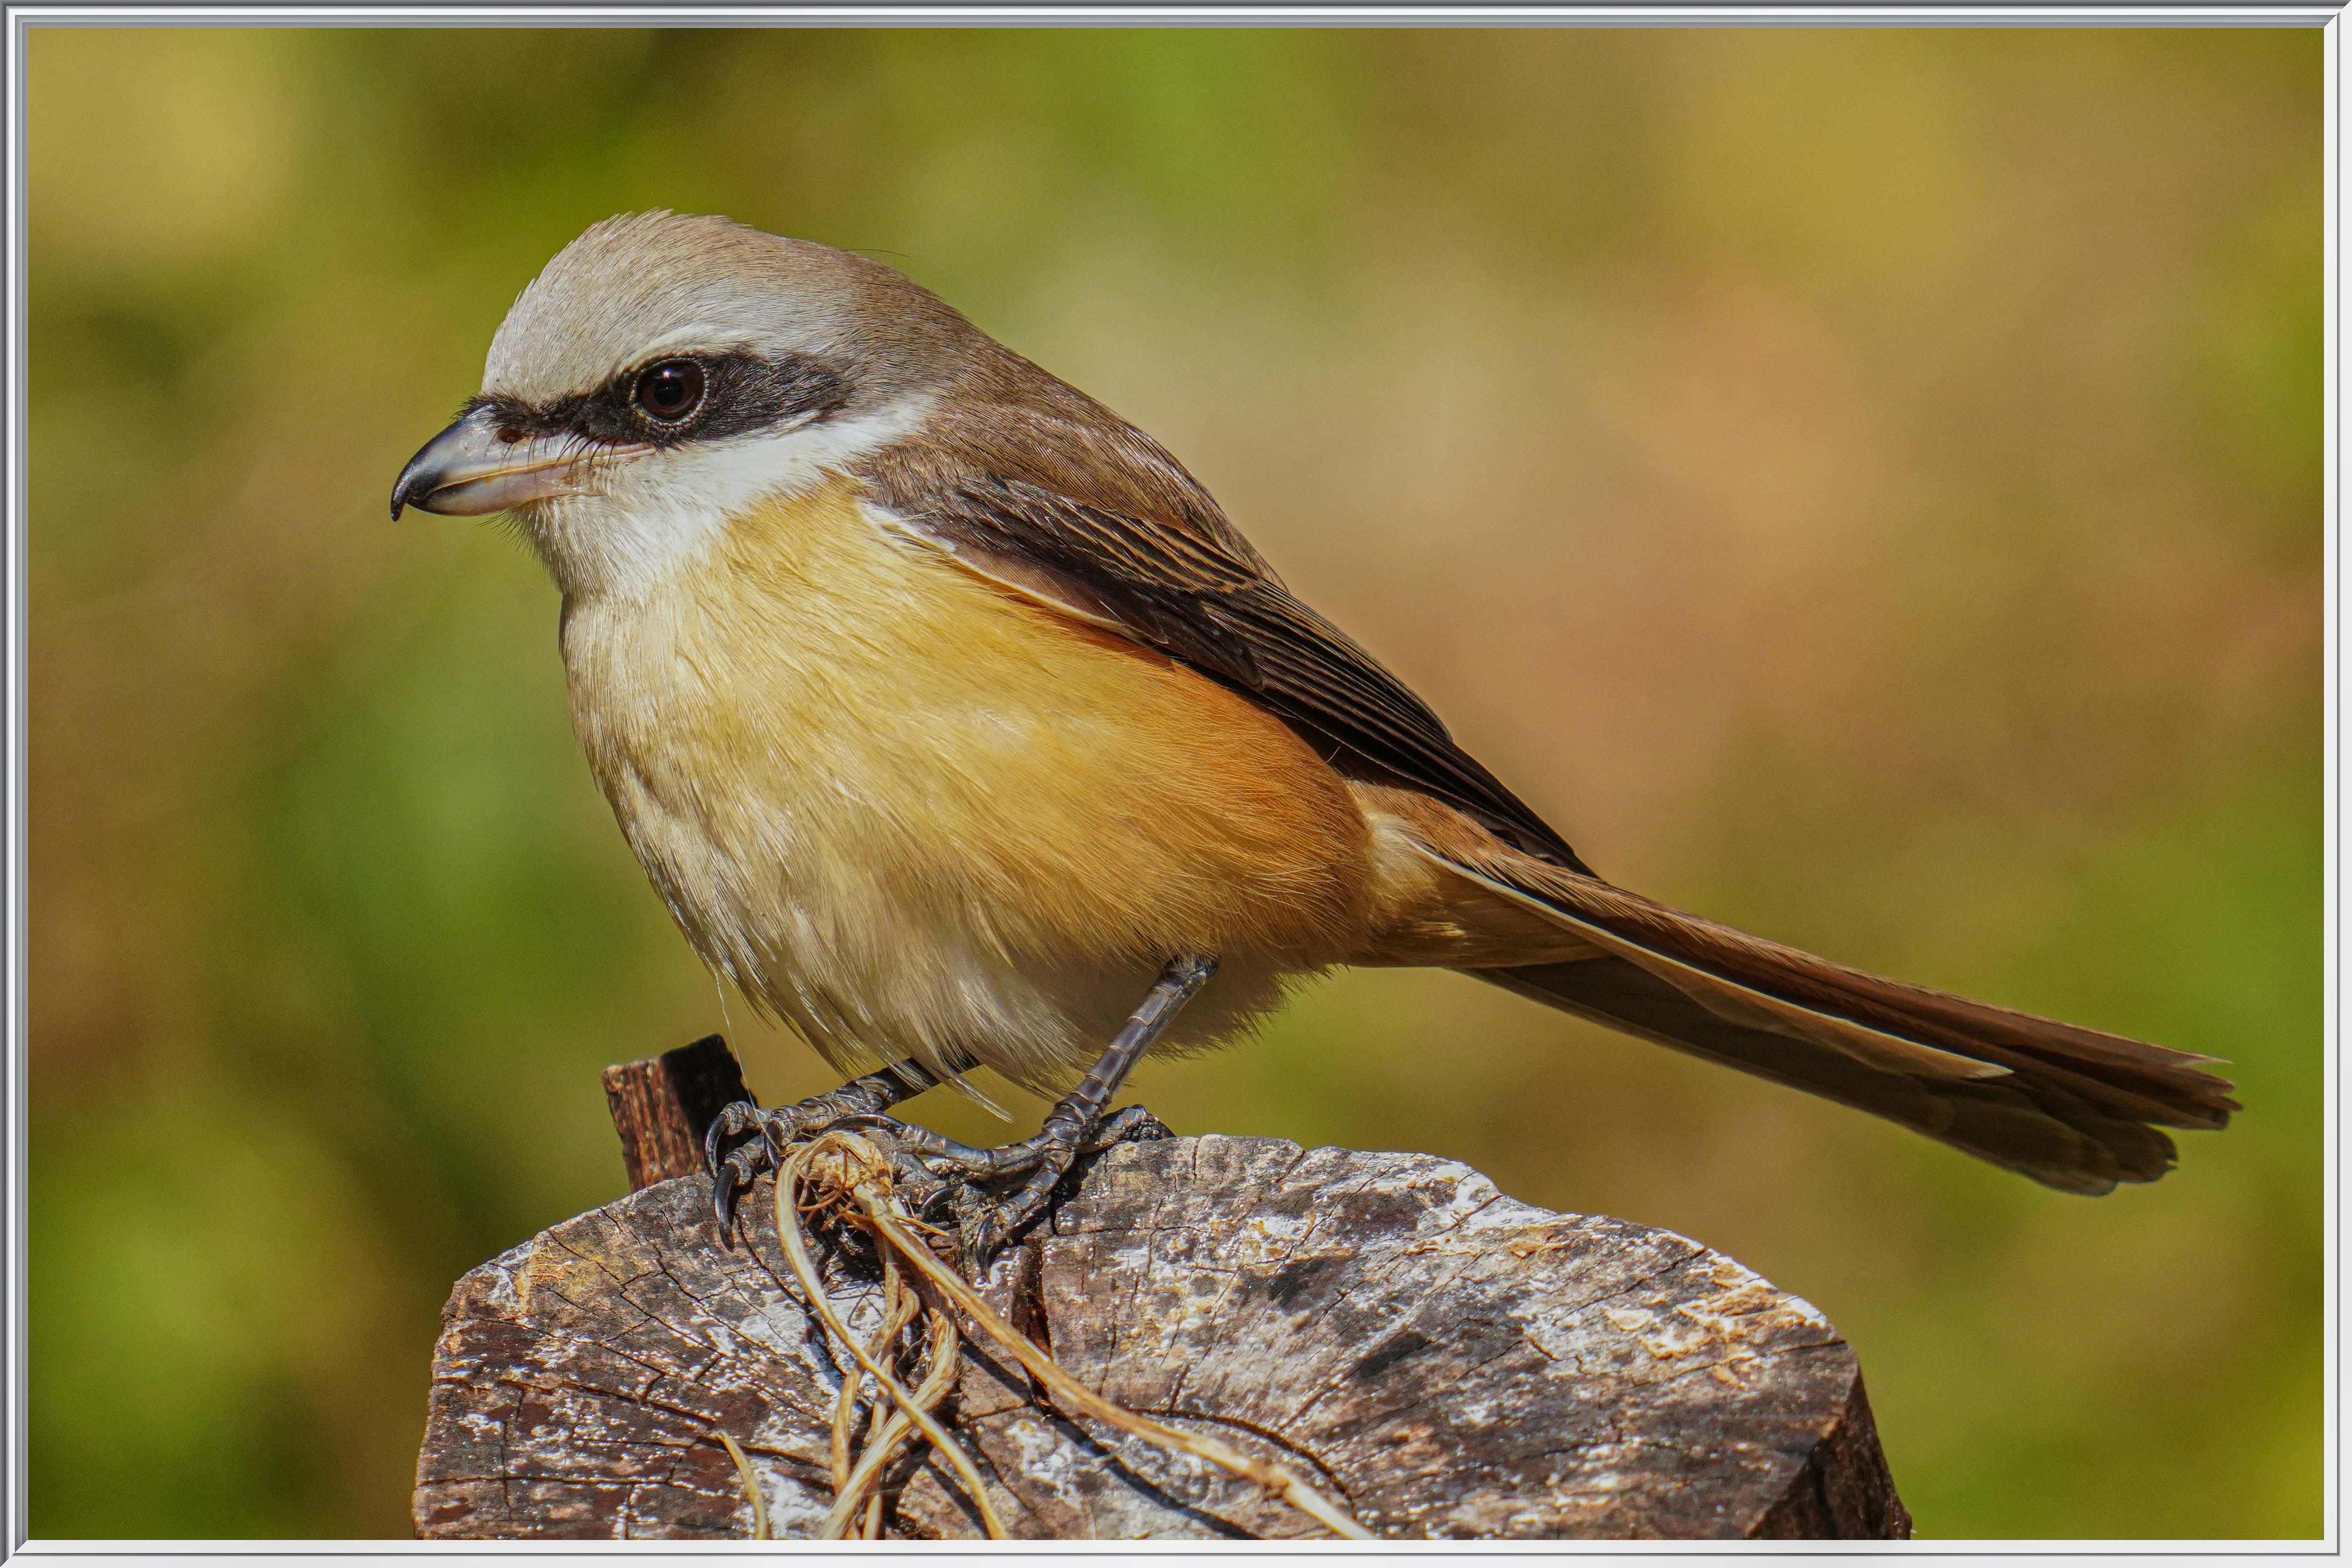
{"points": [[1074, 1125], [861, 1099]]}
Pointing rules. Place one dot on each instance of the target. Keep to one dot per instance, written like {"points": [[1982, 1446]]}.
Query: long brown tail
{"points": [[2070, 1107]]}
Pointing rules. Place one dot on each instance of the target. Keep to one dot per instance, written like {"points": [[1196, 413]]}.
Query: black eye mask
{"points": [[741, 393]]}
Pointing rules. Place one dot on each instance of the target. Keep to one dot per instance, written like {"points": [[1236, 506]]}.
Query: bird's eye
{"points": [[669, 391]]}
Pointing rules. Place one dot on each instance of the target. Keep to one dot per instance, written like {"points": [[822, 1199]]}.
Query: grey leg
{"points": [[1073, 1123], [1075, 1126]]}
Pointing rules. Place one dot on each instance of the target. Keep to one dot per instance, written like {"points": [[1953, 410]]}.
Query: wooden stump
{"points": [[662, 1106], [1443, 1360]]}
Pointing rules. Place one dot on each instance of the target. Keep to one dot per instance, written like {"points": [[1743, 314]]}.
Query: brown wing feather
{"points": [[1032, 483], [2071, 1107], [2031, 1124], [2129, 1075]]}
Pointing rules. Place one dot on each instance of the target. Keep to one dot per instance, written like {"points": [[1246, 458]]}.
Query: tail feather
{"points": [[2073, 1108]]}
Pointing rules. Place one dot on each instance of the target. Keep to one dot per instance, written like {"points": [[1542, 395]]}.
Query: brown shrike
{"points": [[956, 726]]}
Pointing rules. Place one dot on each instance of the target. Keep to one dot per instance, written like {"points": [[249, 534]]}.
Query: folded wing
{"points": [[1035, 485]]}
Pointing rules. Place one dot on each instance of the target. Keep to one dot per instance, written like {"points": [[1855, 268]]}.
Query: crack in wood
{"points": [[1453, 1362]]}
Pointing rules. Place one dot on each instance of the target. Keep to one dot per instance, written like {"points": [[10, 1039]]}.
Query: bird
{"points": [[956, 726]]}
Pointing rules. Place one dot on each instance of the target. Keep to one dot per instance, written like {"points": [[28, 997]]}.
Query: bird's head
{"points": [[665, 372]]}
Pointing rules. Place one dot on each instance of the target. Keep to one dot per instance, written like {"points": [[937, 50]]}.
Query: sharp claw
{"points": [[779, 1128], [722, 1204], [733, 1119], [935, 1196]]}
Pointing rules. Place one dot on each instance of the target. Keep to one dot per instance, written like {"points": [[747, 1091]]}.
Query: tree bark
{"points": [[1443, 1360]]}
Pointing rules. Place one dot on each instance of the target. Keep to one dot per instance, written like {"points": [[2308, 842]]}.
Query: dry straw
{"points": [[845, 1175]]}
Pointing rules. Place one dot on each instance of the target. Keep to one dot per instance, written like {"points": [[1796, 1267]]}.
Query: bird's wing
{"points": [[2073, 1108], [1075, 509]]}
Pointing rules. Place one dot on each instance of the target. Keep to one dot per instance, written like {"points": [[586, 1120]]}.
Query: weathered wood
{"points": [[662, 1106], [1444, 1361]]}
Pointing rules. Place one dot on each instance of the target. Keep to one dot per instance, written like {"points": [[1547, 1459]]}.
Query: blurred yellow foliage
{"points": [[1864, 485]]}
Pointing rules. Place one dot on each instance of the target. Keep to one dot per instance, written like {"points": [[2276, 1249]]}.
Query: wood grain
{"points": [[1447, 1362], [662, 1106]]}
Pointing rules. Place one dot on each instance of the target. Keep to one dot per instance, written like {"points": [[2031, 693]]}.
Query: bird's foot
{"points": [[932, 1170], [1081, 1123], [744, 1141], [966, 1181]]}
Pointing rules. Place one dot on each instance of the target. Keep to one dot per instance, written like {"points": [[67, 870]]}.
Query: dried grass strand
{"points": [[751, 1480], [859, 1177], [889, 1217], [938, 1376], [900, 1307], [788, 1230]]}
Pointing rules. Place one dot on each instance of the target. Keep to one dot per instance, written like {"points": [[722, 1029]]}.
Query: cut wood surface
{"points": [[662, 1106], [1440, 1360]]}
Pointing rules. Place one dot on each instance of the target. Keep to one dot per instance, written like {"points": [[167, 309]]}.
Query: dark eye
{"points": [[669, 391]]}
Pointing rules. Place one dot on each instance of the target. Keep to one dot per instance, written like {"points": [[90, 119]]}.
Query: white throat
{"points": [[649, 518]]}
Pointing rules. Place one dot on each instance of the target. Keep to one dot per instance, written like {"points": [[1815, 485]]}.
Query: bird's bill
{"points": [[472, 468]]}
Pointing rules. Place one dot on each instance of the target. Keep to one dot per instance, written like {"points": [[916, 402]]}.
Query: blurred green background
{"points": [[1865, 486]]}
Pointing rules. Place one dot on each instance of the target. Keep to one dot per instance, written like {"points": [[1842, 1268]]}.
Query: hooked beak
{"points": [[474, 466]]}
